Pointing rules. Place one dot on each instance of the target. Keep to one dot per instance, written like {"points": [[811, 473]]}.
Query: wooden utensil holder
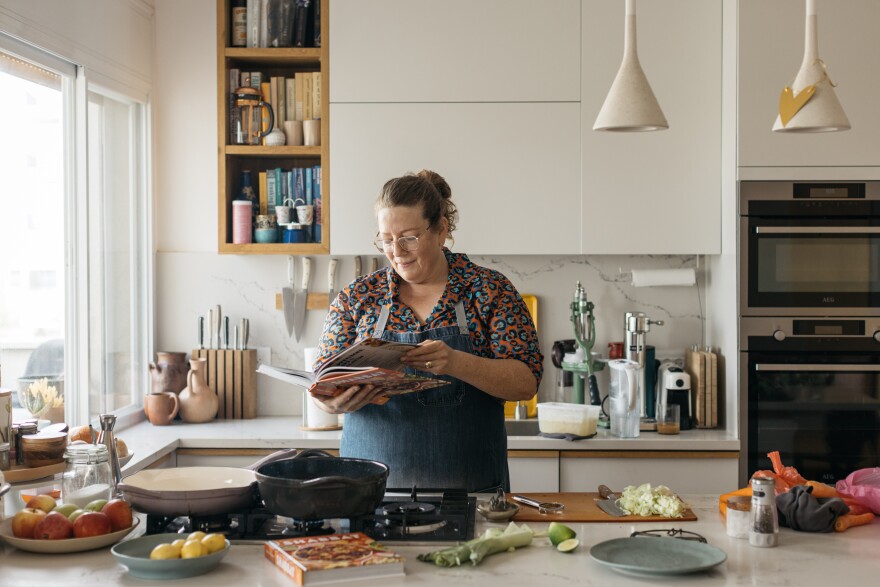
{"points": [[232, 374]]}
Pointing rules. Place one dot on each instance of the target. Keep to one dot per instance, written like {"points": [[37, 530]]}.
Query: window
{"points": [[75, 268]]}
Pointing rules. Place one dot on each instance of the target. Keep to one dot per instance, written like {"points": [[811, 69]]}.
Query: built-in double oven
{"points": [[810, 325]]}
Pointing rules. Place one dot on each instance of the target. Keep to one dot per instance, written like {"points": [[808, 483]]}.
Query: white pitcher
{"points": [[624, 394]]}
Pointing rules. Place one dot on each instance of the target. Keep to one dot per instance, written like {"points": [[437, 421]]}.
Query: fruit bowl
{"points": [[62, 546], [135, 554]]}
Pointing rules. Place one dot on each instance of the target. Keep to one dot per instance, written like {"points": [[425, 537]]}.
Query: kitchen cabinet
{"points": [[654, 192], [455, 51], [684, 472], [533, 470], [771, 48], [233, 159], [513, 169]]}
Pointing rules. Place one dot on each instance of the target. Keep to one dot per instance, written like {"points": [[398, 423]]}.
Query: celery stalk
{"points": [[491, 542]]}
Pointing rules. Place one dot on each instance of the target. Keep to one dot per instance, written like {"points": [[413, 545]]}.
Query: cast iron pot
{"points": [[314, 485]]}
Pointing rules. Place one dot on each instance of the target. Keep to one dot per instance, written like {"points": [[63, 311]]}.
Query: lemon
{"points": [[164, 551], [196, 536], [193, 549], [214, 542], [568, 545], [558, 533]]}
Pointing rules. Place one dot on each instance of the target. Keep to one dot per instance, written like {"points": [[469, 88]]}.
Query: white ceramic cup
{"points": [[293, 130], [283, 214], [305, 214], [312, 132]]}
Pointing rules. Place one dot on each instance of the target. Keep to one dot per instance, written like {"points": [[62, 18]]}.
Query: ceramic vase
{"points": [[168, 373], [198, 402]]}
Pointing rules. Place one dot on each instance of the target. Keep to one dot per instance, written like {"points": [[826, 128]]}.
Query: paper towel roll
{"points": [[659, 277], [313, 416], [310, 355]]}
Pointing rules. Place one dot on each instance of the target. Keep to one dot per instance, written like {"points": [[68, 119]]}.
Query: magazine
{"points": [[315, 560], [370, 361]]}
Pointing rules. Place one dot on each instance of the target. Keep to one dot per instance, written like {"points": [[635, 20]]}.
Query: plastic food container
{"points": [[560, 418]]}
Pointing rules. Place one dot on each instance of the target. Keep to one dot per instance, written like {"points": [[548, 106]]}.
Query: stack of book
{"points": [[283, 23], [297, 97]]}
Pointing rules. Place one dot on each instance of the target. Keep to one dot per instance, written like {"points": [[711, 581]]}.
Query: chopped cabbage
{"points": [[645, 500]]}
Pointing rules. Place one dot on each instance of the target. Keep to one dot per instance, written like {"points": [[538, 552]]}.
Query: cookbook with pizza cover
{"points": [[370, 361], [314, 560]]}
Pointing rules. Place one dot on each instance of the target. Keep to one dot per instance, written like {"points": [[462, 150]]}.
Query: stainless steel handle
{"points": [[829, 367], [817, 230], [544, 507]]}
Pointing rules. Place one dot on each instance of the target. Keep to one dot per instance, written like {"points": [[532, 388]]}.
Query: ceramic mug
{"points": [[161, 408], [293, 131], [283, 214], [312, 132], [305, 214]]}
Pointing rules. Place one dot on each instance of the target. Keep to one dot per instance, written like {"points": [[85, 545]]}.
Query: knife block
{"points": [[232, 374]]}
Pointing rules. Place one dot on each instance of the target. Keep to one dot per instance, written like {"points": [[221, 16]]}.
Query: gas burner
{"points": [[297, 528], [408, 508]]}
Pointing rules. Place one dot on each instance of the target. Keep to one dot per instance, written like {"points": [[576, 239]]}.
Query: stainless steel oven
{"points": [[813, 393], [809, 248]]}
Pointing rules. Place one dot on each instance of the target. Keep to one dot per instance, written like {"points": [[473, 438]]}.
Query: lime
{"points": [[568, 545], [558, 533]]}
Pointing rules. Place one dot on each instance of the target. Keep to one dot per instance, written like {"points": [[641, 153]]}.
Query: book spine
{"points": [[298, 113], [281, 100], [234, 77], [264, 189], [245, 81], [286, 35], [290, 98], [316, 94], [300, 23], [253, 23], [316, 23], [279, 198], [316, 179], [256, 80], [264, 23], [285, 187], [307, 96], [273, 23], [307, 177], [271, 189]]}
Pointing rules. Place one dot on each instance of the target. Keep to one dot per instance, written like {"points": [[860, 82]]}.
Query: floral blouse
{"points": [[498, 320]]}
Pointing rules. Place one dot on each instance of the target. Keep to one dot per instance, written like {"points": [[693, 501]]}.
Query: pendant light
{"points": [[630, 105], [810, 103]]}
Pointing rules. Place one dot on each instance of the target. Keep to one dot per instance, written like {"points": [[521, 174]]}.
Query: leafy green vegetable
{"points": [[490, 542], [645, 500]]}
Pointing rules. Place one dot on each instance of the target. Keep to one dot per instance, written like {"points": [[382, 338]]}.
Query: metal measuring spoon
{"points": [[543, 507]]}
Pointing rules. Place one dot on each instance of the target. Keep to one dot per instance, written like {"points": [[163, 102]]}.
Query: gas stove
{"points": [[405, 515]]}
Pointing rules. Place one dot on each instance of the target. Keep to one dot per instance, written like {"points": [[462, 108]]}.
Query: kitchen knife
{"points": [[374, 265], [607, 502], [301, 299], [218, 321], [225, 334], [332, 292], [245, 332], [287, 296], [210, 329], [201, 332], [358, 269]]}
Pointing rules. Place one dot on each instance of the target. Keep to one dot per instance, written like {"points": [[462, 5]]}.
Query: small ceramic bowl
{"points": [[265, 235], [497, 516], [135, 555]]}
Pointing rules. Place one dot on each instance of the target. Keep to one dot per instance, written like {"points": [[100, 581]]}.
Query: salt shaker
{"points": [[764, 527], [106, 437]]}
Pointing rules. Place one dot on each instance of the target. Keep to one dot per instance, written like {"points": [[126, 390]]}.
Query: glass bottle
{"points": [[88, 476], [247, 193]]}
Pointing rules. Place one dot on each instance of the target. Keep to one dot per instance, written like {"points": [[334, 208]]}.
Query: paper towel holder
{"points": [[681, 277]]}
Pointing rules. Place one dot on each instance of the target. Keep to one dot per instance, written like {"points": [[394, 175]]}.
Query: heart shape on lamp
{"points": [[790, 104]]}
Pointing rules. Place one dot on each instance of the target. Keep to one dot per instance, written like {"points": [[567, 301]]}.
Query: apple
{"points": [[55, 526], [91, 524], [119, 512], [95, 506], [43, 502], [25, 521], [75, 514], [66, 509]]}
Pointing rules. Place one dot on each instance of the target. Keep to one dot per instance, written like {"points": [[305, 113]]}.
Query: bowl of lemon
{"points": [[171, 556]]}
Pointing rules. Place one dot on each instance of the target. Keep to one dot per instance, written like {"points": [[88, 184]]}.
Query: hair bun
{"points": [[437, 181]]}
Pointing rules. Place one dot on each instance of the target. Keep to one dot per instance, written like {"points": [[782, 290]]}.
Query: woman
{"points": [[472, 328]]}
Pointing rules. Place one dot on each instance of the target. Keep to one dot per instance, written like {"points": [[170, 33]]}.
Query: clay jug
{"points": [[161, 408], [168, 373], [198, 402]]}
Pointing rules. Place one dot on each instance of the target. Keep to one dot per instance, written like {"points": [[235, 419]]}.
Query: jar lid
{"points": [[86, 453]]}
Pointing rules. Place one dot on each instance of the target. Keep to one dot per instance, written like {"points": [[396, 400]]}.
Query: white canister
{"points": [[242, 221], [314, 418]]}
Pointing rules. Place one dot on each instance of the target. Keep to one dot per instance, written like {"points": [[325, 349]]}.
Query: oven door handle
{"points": [[817, 230], [827, 367]]}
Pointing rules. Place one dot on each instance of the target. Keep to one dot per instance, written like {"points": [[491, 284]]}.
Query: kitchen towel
{"points": [[663, 277]]}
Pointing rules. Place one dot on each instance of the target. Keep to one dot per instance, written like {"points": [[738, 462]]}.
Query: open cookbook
{"points": [[370, 361]]}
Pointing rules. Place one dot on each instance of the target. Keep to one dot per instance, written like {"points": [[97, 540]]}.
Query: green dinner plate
{"points": [[657, 555]]}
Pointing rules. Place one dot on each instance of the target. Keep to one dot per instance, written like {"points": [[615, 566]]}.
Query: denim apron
{"points": [[446, 437]]}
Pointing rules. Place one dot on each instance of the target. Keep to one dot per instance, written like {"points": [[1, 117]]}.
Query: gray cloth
{"points": [[799, 510]]}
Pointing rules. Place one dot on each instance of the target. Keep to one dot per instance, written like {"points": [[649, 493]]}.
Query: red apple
{"points": [[119, 512], [91, 524], [55, 526], [43, 502], [25, 521]]}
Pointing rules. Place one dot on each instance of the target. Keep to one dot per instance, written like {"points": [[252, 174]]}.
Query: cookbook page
{"points": [[370, 352]]}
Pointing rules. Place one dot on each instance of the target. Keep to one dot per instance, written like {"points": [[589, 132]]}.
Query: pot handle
{"points": [[289, 453]]}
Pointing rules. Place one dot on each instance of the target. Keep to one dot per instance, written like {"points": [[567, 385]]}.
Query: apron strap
{"points": [[461, 318], [382, 321]]}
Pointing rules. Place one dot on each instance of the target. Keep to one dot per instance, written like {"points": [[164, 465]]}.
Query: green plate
{"points": [[657, 555], [135, 554]]}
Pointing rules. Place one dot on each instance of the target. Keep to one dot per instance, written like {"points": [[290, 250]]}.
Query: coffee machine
{"points": [[635, 346], [675, 389]]}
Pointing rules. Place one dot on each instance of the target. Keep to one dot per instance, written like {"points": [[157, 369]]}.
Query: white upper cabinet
{"points": [[771, 48], [513, 169], [455, 50], [654, 192]]}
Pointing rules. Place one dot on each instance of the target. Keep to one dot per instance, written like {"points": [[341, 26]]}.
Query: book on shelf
{"points": [[318, 223], [307, 95], [298, 98], [279, 25], [349, 557], [256, 80], [316, 94], [276, 91], [290, 98], [316, 24], [253, 23], [263, 188], [264, 23], [300, 23], [371, 361]]}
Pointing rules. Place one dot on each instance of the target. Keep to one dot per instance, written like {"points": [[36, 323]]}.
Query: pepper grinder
{"points": [[106, 437], [764, 527]]}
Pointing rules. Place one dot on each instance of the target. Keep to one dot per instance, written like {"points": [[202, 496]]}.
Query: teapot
{"points": [[247, 117]]}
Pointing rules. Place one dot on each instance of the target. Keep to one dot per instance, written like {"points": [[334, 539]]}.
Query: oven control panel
{"points": [[785, 333]]}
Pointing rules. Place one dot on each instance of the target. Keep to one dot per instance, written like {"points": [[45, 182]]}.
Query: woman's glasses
{"points": [[406, 243]]}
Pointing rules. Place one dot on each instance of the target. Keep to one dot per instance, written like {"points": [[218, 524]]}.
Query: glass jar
{"points": [[88, 475]]}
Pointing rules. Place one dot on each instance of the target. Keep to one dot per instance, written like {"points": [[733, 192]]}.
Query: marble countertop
{"points": [[800, 559]]}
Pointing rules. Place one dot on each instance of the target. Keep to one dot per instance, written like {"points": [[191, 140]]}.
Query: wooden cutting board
{"points": [[581, 507]]}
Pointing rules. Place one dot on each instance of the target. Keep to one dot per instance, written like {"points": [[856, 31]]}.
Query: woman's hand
{"points": [[350, 400], [433, 356]]}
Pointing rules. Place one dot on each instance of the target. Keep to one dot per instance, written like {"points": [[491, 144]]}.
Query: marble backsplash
{"points": [[245, 287]]}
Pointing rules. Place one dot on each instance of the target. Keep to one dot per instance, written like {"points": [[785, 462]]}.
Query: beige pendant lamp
{"points": [[810, 103], [630, 105]]}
